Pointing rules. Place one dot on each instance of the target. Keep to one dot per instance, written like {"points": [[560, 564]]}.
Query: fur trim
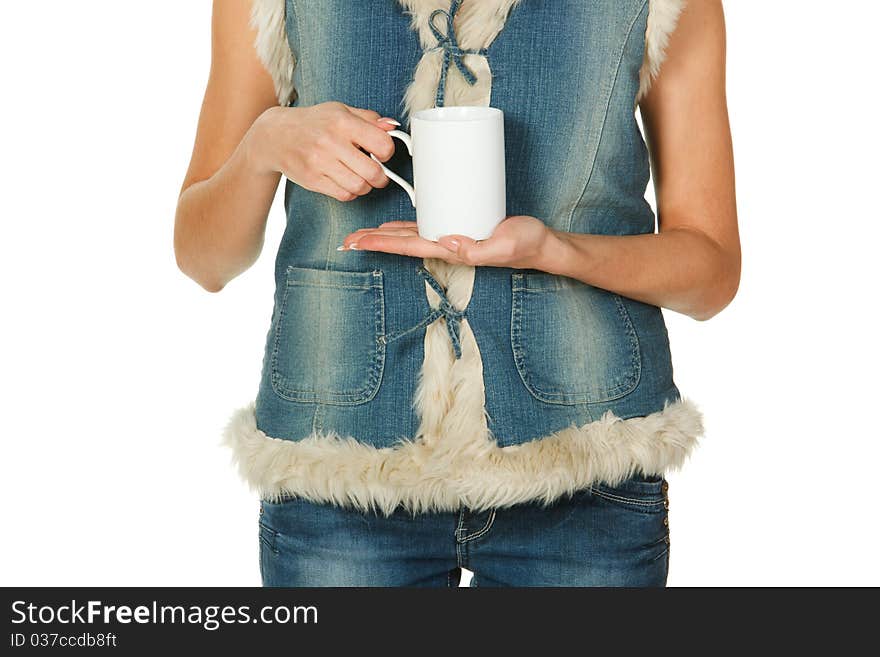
{"points": [[450, 399], [475, 472], [267, 18], [662, 21], [476, 26], [477, 23]]}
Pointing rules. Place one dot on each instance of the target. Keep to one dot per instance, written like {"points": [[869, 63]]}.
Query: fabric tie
{"points": [[446, 310], [452, 52], [450, 313]]}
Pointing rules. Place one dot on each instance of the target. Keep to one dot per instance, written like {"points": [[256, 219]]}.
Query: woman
{"points": [[507, 405]]}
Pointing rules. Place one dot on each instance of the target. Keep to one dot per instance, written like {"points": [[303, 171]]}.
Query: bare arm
{"points": [[222, 209], [245, 142], [693, 264]]}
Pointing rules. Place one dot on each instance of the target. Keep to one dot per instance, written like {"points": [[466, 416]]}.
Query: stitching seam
{"points": [[459, 552], [482, 531], [629, 500], [595, 154]]}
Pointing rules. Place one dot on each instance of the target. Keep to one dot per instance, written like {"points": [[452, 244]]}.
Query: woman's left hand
{"points": [[520, 242]]}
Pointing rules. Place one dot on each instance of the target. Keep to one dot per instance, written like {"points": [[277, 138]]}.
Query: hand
{"points": [[520, 242], [319, 147]]}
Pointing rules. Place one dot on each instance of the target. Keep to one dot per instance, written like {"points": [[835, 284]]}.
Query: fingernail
{"points": [[391, 121], [453, 243], [341, 247], [353, 246]]}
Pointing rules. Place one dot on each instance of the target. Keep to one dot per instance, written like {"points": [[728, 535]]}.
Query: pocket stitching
{"points": [[273, 544], [377, 361], [518, 287], [627, 500]]}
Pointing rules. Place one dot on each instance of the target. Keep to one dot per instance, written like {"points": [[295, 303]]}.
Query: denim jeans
{"points": [[599, 536]]}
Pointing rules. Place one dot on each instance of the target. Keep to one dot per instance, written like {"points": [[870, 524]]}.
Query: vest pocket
{"points": [[572, 343], [326, 346]]}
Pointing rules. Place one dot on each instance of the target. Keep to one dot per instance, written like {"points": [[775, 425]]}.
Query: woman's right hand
{"points": [[317, 147]]}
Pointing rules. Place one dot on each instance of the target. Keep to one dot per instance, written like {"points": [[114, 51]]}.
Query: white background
{"points": [[118, 372]]}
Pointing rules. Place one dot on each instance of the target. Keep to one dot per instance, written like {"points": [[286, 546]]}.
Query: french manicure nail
{"points": [[391, 121], [341, 247]]}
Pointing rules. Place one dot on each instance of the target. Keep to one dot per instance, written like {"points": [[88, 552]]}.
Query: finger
{"points": [[409, 245], [365, 114], [384, 122], [452, 242], [398, 223], [393, 232], [473, 252], [357, 235], [409, 229], [347, 179], [374, 125], [369, 136], [387, 123], [329, 187], [390, 230], [364, 166]]}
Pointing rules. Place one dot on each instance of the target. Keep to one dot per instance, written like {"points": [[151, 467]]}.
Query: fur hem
{"points": [[421, 477]]}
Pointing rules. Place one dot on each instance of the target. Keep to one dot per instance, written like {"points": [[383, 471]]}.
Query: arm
{"points": [[222, 209], [244, 142], [692, 265]]}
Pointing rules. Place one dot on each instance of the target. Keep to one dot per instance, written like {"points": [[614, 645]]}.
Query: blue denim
{"points": [[345, 342], [600, 536]]}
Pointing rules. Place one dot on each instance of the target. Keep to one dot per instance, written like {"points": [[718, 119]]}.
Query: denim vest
{"points": [[390, 380]]}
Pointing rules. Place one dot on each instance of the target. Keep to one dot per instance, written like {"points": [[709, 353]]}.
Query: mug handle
{"points": [[406, 139]]}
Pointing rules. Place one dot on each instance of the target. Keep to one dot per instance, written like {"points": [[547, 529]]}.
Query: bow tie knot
{"points": [[452, 51], [449, 312]]}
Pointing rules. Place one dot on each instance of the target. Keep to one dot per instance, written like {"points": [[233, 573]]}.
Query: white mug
{"points": [[459, 184]]}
